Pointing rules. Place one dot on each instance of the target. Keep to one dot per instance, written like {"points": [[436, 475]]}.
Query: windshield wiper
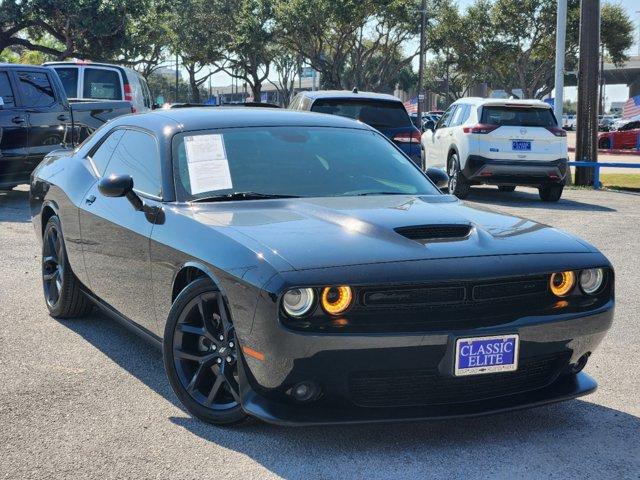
{"points": [[241, 196]]}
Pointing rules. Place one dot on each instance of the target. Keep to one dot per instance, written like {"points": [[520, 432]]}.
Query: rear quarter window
{"points": [[69, 79], [377, 113], [518, 116], [101, 84]]}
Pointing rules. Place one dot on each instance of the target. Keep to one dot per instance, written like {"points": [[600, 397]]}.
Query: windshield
{"points": [[518, 116], [292, 161], [379, 114]]}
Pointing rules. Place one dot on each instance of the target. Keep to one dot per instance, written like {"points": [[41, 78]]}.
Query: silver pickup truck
{"points": [[36, 118]]}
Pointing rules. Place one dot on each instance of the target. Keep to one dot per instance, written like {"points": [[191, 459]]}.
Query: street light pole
{"points": [[423, 15], [561, 31]]}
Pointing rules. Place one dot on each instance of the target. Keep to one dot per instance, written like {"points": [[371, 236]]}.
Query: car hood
{"points": [[338, 231]]}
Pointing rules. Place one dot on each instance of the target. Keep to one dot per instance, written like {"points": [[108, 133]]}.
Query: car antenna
{"points": [[355, 90]]}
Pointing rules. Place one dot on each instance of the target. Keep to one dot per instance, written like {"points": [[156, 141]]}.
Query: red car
{"points": [[628, 136]]}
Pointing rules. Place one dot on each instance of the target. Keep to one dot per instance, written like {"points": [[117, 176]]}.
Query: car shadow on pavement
{"points": [[579, 436], [529, 199], [14, 206]]}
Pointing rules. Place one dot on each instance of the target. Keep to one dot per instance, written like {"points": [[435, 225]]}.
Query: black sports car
{"points": [[299, 268]]}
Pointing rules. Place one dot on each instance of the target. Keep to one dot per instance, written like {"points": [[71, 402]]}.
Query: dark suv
{"points": [[383, 112]]}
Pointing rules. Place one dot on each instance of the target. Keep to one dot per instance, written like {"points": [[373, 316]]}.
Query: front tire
{"points": [[62, 290], [200, 354], [458, 184], [550, 193]]}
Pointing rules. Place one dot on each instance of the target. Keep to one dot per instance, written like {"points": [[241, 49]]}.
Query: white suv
{"points": [[499, 142]]}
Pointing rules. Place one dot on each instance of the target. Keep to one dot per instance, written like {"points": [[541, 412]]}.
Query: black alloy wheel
{"points": [[458, 185], [201, 354], [62, 290]]}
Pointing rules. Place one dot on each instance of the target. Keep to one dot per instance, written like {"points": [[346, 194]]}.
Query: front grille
{"points": [[427, 233], [415, 296], [427, 387]]}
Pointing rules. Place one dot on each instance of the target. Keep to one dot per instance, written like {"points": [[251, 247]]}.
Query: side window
{"points": [[305, 103], [137, 155], [6, 92], [456, 118], [69, 79], [444, 120], [102, 155], [36, 89], [146, 95], [464, 116], [102, 84]]}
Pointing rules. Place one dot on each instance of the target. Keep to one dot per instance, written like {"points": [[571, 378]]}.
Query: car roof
{"points": [[168, 122], [86, 63], [479, 101], [349, 94]]}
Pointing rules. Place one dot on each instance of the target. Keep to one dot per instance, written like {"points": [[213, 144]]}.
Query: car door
{"points": [[14, 134], [48, 117], [440, 137], [627, 138], [116, 236]]}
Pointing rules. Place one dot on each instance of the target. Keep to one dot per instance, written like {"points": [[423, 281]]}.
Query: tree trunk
{"points": [[256, 92], [193, 86]]}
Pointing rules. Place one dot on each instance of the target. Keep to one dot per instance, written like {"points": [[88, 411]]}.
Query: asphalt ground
{"points": [[87, 399]]}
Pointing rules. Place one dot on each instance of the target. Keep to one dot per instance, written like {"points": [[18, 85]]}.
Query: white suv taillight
{"points": [[408, 137], [482, 128], [558, 132], [128, 96]]}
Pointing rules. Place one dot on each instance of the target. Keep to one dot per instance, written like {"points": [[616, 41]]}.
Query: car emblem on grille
{"points": [[523, 131]]}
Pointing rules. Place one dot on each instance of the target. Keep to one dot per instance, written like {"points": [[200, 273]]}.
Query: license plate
{"points": [[521, 145], [475, 356]]}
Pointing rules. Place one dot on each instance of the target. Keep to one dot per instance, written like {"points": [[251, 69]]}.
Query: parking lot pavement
{"points": [[86, 399]]}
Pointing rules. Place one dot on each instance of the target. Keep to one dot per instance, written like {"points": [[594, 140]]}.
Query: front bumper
{"points": [[375, 378], [480, 169]]}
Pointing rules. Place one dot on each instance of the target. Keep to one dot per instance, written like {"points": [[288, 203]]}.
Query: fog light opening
{"points": [[580, 364], [305, 391]]}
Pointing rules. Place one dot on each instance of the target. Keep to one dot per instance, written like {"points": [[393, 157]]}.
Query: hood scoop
{"points": [[435, 233]]}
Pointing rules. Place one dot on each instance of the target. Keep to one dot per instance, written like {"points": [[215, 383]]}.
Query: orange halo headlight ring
{"points": [[336, 300], [561, 283]]}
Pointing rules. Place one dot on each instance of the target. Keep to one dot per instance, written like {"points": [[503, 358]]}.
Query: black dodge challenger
{"points": [[300, 269]]}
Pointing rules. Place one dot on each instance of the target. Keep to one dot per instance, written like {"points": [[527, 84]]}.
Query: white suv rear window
{"points": [[518, 116]]}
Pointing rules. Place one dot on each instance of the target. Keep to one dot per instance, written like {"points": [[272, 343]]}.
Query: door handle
{"points": [[18, 119], [62, 117], [90, 199]]}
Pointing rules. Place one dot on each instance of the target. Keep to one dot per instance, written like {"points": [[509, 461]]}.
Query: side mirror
{"points": [[438, 177], [120, 186], [429, 125]]}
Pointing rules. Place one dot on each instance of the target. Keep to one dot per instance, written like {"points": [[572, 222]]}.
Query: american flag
{"points": [[631, 107], [411, 105]]}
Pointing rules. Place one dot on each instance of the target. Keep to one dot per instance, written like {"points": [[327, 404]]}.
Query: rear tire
{"points": [[62, 291], [550, 193], [506, 188], [604, 144], [458, 184]]}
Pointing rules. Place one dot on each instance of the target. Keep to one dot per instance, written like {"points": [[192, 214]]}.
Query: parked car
{"points": [[383, 112], [569, 122], [36, 118], [605, 122], [300, 269], [499, 142], [83, 80], [627, 136]]}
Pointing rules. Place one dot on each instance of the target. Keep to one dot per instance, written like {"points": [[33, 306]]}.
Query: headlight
{"points": [[562, 283], [591, 280], [298, 301], [336, 300]]}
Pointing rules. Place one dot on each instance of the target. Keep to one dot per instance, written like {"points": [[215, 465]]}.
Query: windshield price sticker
{"points": [[207, 163]]}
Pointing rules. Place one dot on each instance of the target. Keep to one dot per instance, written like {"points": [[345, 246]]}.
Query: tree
{"points": [[249, 42], [511, 43], [350, 42], [196, 38], [286, 66]]}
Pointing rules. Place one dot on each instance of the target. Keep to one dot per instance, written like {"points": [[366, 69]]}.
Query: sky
{"points": [[613, 92]]}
